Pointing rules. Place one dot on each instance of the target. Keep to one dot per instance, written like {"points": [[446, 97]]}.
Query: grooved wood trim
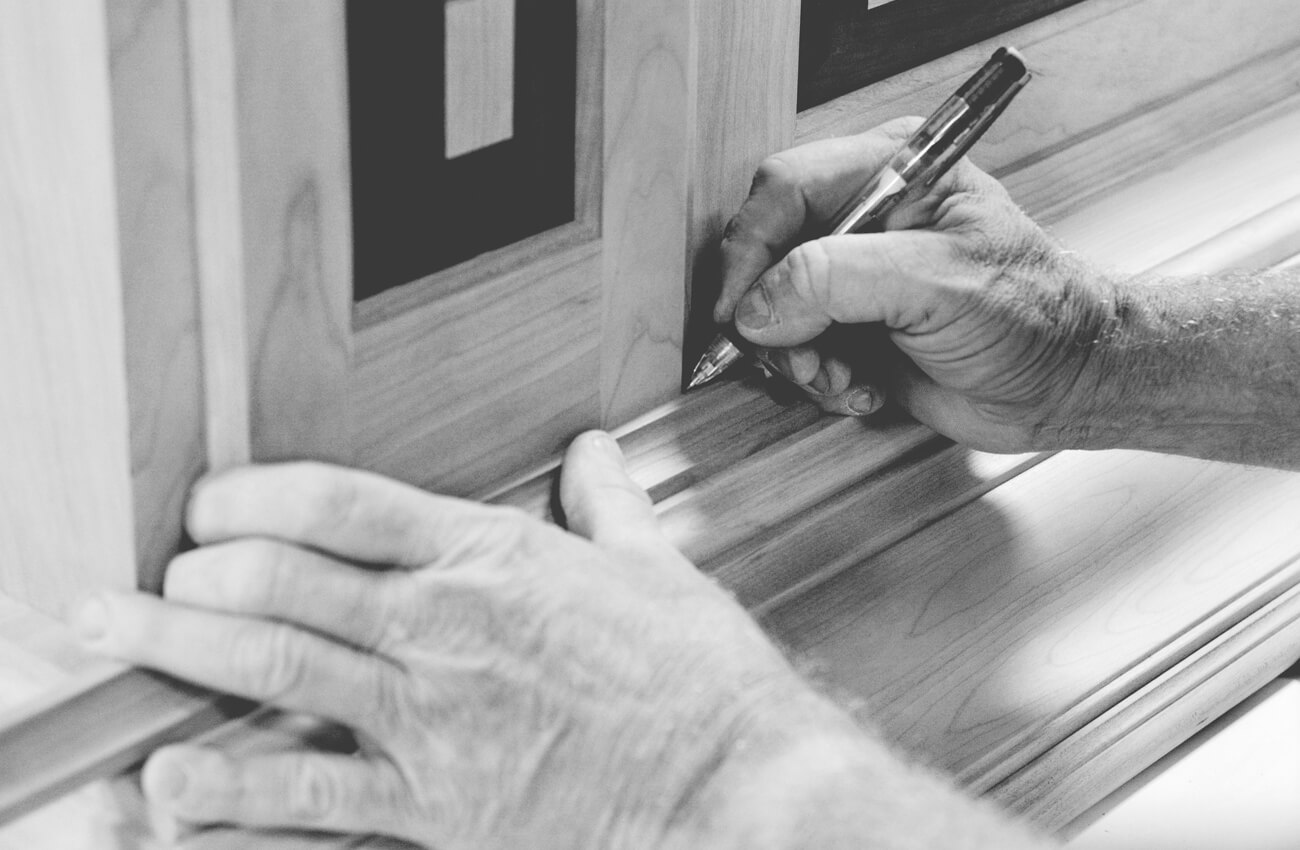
{"points": [[65, 503], [218, 241], [1137, 731]]}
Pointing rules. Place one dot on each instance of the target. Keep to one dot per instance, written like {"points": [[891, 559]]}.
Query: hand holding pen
{"points": [[923, 159]]}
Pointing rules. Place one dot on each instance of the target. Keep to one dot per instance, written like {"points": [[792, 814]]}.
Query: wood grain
{"points": [[649, 122], [160, 293], [1100, 65], [65, 506], [521, 353], [1254, 647], [292, 95], [1069, 577], [745, 97], [479, 80], [218, 241]]}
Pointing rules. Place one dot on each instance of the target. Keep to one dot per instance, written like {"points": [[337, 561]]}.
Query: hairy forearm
{"points": [[1208, 367]]}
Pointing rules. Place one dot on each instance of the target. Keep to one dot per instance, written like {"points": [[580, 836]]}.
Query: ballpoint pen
{"points": [[925, 157]]}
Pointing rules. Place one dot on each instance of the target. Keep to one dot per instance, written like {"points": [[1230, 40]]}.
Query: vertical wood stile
{"points": [[217, 230], [65, 499], [747, 86], [649, 95], [155, 210]]}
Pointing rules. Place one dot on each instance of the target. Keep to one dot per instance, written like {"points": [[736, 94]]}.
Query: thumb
{"points": [[897, 277], [602, 503]]}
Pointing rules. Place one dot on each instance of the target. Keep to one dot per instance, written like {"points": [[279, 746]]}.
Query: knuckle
{"points": [[808, 268], [773, 171], [268, 662], [315, 794]]}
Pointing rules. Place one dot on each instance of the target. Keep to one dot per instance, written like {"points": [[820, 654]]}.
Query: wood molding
{"points": [[1249, 643]]}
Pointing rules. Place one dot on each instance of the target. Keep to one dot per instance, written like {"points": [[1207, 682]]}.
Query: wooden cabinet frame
{"points": [[870, 541]]}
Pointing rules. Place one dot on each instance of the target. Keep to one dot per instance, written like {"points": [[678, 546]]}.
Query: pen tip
{"points": [[699, 379]]}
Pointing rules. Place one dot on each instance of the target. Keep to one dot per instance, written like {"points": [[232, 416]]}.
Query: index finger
{"points": [[356, 515], [794, 196]]}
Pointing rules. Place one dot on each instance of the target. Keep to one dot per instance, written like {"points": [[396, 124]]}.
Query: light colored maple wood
{"points": [[479, 74], [746, 90], [297, 225], [1250, 652], [160, 294], [519, 351], [65, 507], [649, 121], [513, 338], [218, 242], [976, 640]]}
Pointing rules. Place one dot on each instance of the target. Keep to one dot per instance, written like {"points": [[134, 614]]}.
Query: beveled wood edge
{"points": [[1229, 665], [1014, 756]]}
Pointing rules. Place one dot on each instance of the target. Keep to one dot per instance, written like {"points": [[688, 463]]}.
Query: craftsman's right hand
{"points": [[961, 310]]}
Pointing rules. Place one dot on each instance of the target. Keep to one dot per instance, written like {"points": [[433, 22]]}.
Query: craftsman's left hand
{"points": [[511, 684]]}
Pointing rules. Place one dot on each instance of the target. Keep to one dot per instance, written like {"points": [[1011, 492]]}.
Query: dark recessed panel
{"points": [[415, 212]]}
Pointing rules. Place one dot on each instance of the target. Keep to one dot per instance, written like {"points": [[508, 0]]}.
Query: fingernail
{"points": [[754, 312], [90, 620], [863, 402], [821, 382], [608, 445]]}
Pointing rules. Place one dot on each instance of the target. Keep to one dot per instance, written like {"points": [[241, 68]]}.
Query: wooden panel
{"points": [[65, 507], [1140, 729], [164, 380], [649, 117], [1072, 577], [297, 224], [748, 75], [465, 390], [479, 75], [512, 338]]}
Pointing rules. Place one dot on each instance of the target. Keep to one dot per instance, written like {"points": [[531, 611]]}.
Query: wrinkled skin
{"points": [[962, 310], [512, 684]]}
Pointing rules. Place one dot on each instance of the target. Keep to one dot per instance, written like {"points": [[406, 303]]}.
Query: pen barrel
{"points": [[940, 141]]}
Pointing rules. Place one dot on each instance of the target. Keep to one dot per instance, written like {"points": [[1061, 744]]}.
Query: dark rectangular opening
{"points": [[414, 211]]}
